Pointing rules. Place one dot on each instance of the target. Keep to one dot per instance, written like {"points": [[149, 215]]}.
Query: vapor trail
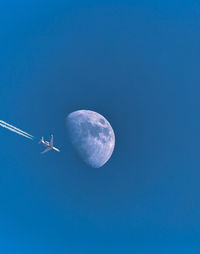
{"points": [[16, 130]]}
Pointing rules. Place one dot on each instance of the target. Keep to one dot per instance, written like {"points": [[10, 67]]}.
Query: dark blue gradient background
{"points": [[135, 62]]}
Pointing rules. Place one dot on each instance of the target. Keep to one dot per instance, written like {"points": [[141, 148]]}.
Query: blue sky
{"points": [[136, 63]]}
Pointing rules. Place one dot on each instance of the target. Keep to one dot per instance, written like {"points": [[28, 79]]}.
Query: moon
{"points": [[92, 136]]}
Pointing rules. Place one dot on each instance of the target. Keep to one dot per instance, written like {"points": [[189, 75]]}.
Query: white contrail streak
{"points": [[16, 130]]}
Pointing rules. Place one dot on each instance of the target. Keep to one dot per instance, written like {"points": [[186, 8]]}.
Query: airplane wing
{"points": [[51, 142], [46, 150]]}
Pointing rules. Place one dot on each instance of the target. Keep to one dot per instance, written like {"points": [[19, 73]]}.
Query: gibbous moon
{"points": [[92, 136]]}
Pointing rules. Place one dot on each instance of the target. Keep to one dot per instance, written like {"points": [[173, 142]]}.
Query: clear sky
{"points": [[135, 62]]}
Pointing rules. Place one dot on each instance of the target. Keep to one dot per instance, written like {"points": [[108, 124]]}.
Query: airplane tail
{"points": [[42, 139]]}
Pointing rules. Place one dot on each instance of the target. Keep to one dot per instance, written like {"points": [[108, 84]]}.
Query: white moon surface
{"points": [[92, 136]]}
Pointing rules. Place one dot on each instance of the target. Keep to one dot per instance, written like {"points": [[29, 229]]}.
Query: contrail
{"points": [[16, 130]]}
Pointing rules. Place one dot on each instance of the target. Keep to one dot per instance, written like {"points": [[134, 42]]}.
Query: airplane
{"points": [[49, 145]]}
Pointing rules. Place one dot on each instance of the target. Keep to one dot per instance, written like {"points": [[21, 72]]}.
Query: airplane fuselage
{"points": [[46, 143], [49, 145], [55, 149]]}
